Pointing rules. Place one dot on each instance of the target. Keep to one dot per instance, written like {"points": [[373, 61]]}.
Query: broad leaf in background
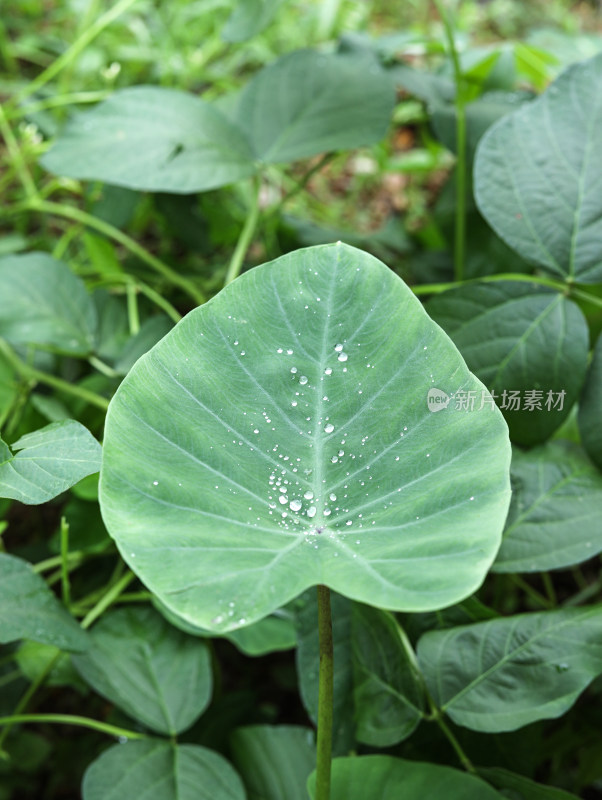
{"points": [[47, 462], [249, 18], [555, 511], [274, 761], [160, 770], [152, 139], [537, 180], [517, 787], [156, 674], [500, 675], [388, 693], [31, 611], [590, 405], [151, 331], [308, 103], [513, 337], [43, 303], [388, 778], [329, 467]]}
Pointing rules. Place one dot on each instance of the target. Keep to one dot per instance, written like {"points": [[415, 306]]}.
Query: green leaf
{"points": [[513, 337], [279, 437], [520, 788], [160, 770], [249, 18], [308, 103], [536, 177], [152, 671], [151, 330], [388, 778], [511, 671], [388, 694], [31, 611], [47, 462], [152, 139], [274, 760], [555, 512], [590, 419], [43, 303], [34, 658]]}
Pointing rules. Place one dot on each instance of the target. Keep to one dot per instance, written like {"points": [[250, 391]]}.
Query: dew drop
{"points": [[308, 495], [343, 356], [295, 505], [303, 380], [338, 347], [283, 499], [329, 428], [311, 511]]}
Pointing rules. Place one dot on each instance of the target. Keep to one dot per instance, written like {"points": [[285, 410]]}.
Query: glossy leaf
{"points": [[31, 611], [513, 337], [308, 103], [388, 778], [555, 512], [159, 770], [388, 694], [156, 674], [590, 418], [274, 760], [152, 139], [47, 462], [43, 303], [536, 176], [511, 671], [279, 437]]}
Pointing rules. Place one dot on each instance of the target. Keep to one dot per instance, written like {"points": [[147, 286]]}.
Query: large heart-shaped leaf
{"points": [[43, 303], [554, 517], [511, 671], [537, 180], [513, 336], [152, 671], [308, 103], [280, 437], [590, 418], [47, 462], [152, 139], [31, 611], [160, 770]]}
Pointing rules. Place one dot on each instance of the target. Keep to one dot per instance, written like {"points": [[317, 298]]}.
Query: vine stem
{"points": [[70, 719], [246, 234], [325, 695]]}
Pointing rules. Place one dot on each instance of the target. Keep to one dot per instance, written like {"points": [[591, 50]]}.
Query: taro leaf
{"points": [[555, 512], [537, 180], [9, 389], [274, 760], [433, 88], [249, 18], [47, 462], [279, 437], [152, 671], [43, 303], [388, 778], [151, 330], [31, 611], [308, 103], [152, 139], [388, 694], [500, 675], [590, 406], [159, 770], [513, 337], [517, 787]]}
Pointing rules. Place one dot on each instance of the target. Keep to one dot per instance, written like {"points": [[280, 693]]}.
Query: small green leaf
{"points": [[43, 303], [500, 675], [31, 611], [555, 512], [249, 18], [274, 760], [590, 418], [536, 176], [152, 671], [517, 787], [48, 462], [388, 778], [152, 139], [160, 770]]}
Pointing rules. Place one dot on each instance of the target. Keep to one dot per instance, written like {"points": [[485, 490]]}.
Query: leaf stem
{"points": [[16, 156], [66, 586], [464, 760], [71, 98], [325, 695], [107, 599], [70, 719], [246, 234]]}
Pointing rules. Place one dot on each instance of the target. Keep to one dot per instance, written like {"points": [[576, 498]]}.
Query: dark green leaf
{"points": [[590, 406]]}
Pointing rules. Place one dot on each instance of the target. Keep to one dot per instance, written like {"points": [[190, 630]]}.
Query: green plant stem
{"points": [[72, 98], [461, 166], [246, 235], [132, 305], [74, 559], [464, 760], [536, 596], [37, 375], [103, 368], [69, 719], [138, 285], [16, 156], [549, 587], [325, 695], [300, 185], [78, 46], [66, 586], [107, 599]]}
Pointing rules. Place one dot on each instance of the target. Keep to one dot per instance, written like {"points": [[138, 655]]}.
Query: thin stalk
{"points": [[107, 599], [69, 719], [74, 559], [72, 98], [325, 695], [246, 235], [132, 305], [438, 288], [549, 587], [78, 46], [536, 596], [66, 586], [16, 156], [140, 286], [103, 368], [300, 185], [37, 375], [464, 760]]}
